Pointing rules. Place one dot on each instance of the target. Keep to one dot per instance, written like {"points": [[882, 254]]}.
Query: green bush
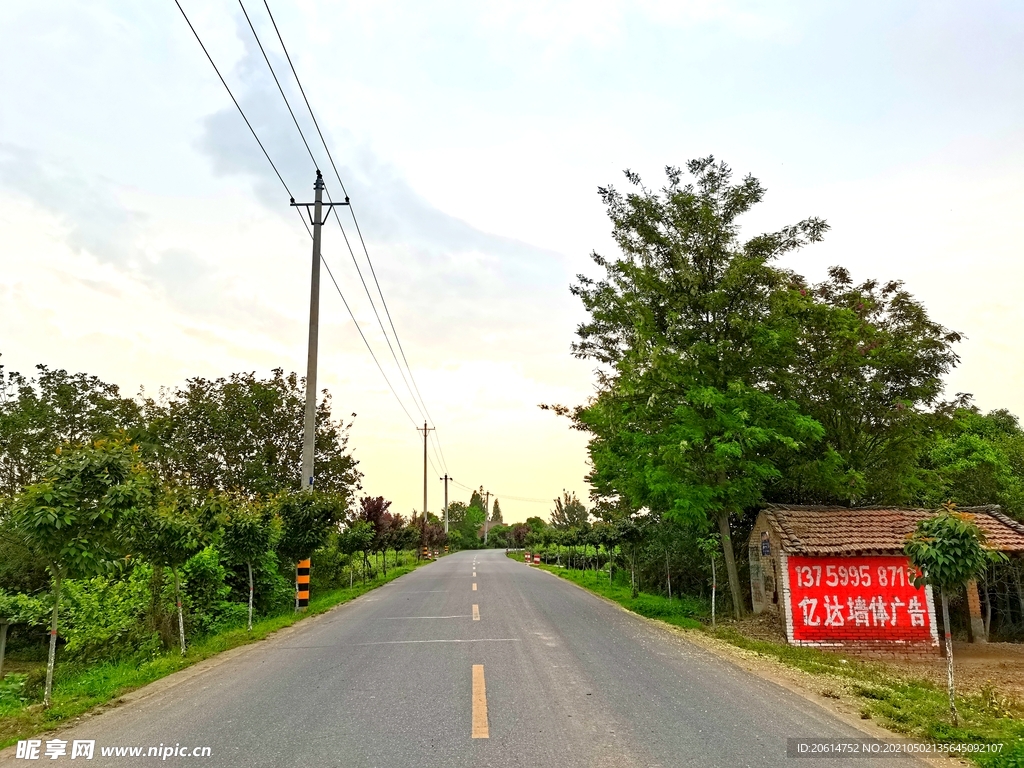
{"points": [[104, 618], [1012, 756], [204, 582], [12, 692]]}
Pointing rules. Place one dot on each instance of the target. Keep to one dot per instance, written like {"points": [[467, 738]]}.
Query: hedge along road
{"points": [[524, 670]]}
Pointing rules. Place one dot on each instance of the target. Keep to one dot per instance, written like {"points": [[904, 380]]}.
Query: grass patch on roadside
{"points": [[678, 612], [913, 708], [78, 689]]}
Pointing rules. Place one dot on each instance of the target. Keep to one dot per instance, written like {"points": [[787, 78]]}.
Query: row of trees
{"points": [[127, 506], [725, 380]]}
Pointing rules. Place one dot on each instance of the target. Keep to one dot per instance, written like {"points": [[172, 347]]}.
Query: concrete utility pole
{"points": [[487, 514], [446, 479], [426, 433], [309, 424]]}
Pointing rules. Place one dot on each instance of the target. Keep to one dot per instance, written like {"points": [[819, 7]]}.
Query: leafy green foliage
{"points": [[71, 516], [307, 519], [691, 327], [206, 600], [104, 617], [868, 368], [245, 434], [568, 512], [976, 459], [19, 608], [948, 550], [167, 532], [247, 530], [38, 415]]}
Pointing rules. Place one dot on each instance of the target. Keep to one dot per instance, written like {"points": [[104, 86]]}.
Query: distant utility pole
{"points": [[487, 514], [309, 425], [426, 432], [446, 479]]}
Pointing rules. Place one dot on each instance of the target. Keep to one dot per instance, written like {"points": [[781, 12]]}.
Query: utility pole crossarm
{"points": [[314, 219]]}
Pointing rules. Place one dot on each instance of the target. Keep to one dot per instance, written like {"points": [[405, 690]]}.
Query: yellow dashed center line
{"points": [[476, 613], [474, 586], [480, 729]]}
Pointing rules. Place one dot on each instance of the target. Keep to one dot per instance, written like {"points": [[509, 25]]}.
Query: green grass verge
{"points": [[914, 708], [682, 612], [77, 690]]}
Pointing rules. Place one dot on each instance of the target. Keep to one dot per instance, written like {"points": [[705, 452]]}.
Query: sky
{"points": [[144, 237]]}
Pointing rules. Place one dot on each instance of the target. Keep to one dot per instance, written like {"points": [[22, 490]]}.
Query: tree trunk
{"points": [[384, 557], [730, 563], [250, 595], [51, 660], [296, 587], [632, 573], [668, 576], [350, 570], [3, 646], [177, 600], [714, 588], [949, 657], [988, 607]]}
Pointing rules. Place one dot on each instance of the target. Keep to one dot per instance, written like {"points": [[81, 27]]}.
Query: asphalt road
{"points": [[523, 670]]}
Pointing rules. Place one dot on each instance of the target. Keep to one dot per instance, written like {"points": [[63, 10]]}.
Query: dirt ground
{"points": [[978, 667]]}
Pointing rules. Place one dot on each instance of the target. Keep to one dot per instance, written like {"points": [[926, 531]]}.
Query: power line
{"points": [[280, 89], [251, 129], [355, 221], [423, 411], [290, 195], [501, 495]]}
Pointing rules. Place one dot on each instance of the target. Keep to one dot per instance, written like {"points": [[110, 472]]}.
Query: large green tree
{"points": [[973, 459], [244, 434], [38, 414], [569, 512], [869, 369], [690, 326], [71, 517], [465, 521]]}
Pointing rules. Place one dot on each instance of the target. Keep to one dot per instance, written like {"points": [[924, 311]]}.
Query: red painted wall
{"points": [[851, 599]]}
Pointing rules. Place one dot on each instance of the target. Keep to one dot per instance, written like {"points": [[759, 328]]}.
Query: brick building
{"points": [[837, 577]]}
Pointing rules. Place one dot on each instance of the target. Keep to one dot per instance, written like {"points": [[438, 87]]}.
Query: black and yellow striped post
{"points": [[302, 584], [426, 553]]}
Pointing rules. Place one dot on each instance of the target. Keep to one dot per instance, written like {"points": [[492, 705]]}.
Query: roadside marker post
{"points": [[302, 584], [536, 559]]}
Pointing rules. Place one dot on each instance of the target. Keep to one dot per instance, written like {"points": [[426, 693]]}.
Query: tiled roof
{"points": [[867, 530]]}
